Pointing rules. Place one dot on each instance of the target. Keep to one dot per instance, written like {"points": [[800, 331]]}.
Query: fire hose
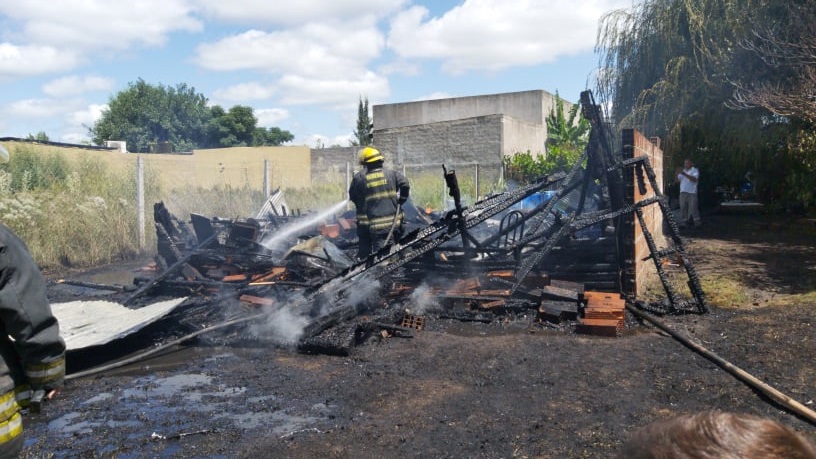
{"points": [[393, 224]]}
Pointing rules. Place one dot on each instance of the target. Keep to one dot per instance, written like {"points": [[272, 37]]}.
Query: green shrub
{"points": [[523, 167], [32, 171]]}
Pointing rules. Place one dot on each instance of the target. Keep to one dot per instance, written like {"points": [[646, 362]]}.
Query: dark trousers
{"points": [[378, 238], [363, 242]]}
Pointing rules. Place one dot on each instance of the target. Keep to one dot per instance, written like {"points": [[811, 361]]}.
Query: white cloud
{"points": [[400, 67], [311, 50], [41, 108], [244, 92], [100, 24], [17, 61], [338, 93], [322, 141], [75, 85], [270, 117], [297, 12], [498, 34], [434, 96], [88, 116]]}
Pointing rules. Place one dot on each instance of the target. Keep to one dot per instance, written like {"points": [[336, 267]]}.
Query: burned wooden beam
{"points": [[170, 270]]}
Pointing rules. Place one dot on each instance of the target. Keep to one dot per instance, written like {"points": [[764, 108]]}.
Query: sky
{"points": [[302, 65]]}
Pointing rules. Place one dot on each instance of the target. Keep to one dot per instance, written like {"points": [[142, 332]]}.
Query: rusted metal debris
{"points": [[471, 263]]}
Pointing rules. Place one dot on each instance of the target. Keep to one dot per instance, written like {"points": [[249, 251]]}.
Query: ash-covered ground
{"points": [[507, 388]]}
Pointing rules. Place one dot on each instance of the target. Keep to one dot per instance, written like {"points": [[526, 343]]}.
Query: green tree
{"points": [[566, 130], [40, 137], [144, 114], [364, 133], [233, 128], [567, 136], [784, 58], [677, 69], [273, 136]]}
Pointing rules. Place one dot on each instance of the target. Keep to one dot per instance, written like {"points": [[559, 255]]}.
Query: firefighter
{"points": [[378, 194], [32, 353], [363, 239]]}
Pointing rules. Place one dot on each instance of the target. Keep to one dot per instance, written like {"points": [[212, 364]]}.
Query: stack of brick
{"points": [[601, 313]]}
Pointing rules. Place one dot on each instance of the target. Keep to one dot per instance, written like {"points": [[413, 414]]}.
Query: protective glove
{"points": [[402, 199]]}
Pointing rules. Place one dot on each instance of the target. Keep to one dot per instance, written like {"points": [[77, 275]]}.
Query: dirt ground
{"points": [[503, 389]]}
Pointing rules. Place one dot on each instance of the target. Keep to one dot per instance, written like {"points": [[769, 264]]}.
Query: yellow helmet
{"points": [[369, 155]]}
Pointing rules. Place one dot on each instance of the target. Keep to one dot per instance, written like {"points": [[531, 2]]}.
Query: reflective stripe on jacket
{"points": [[11, 424], [379, 191], [11, 428], [31, 350]]}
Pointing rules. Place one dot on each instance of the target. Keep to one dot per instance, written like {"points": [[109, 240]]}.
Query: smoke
{"points": [[422, 299], [363, 291], [356, 292], [276, 241], [284, 325]]}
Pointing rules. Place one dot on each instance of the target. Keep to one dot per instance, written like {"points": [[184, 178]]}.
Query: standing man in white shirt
{"points": [[688, 177]]}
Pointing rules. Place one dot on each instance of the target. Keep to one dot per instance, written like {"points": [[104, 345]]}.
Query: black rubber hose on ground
{"points": [[741, 374], [155, 350]]}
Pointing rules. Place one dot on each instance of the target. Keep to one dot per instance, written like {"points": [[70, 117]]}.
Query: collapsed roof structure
{"points": [[519, 250]]}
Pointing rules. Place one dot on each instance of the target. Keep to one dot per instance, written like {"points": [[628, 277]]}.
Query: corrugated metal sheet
{"points": [[90, 323]]}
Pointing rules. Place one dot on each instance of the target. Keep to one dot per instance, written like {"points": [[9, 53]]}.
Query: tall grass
{"points": [[315, 197], [70, 214], [428, 190], [82, 213], [219, 201]]}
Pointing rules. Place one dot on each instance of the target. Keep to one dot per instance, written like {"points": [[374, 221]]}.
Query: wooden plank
{"points": [[603, 295], [593, 304], [234, 278], [552, 292], [256, 300], [599, 327], [558, 310], [607, 314]]}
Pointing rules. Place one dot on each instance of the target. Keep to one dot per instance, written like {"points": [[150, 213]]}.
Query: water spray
{"points": [[284, 233]]}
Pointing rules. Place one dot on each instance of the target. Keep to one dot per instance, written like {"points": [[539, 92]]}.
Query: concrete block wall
{"points": [[328, 165], [455, 131], [528, 106], [480, 129], [470, 140], [462, 140], [638, 273]]}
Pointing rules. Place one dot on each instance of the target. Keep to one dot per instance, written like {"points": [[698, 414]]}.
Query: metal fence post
{"points": [[476, 198], [140, 200], [444, 187], [266, 184]]}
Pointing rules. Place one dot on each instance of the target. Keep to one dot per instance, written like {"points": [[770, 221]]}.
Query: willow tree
{"points": [[670, 68], [787, 54]]}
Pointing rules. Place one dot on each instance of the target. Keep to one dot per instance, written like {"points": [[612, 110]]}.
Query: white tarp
{"points": [[90, 323]]}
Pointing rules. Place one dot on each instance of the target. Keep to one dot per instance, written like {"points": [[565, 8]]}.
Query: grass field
{"points": [[76, 211]]}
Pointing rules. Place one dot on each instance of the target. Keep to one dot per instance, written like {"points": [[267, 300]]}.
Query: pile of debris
{"points": [[493, 258]]}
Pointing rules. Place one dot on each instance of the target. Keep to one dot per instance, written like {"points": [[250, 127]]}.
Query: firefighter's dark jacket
{"points": [[378, 192], [32, 351]]}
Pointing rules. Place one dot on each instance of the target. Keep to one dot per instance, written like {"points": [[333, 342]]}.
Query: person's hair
{"points": [[717, 435]]}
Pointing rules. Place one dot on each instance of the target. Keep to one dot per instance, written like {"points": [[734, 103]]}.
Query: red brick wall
{"points": [[636, 270]]}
